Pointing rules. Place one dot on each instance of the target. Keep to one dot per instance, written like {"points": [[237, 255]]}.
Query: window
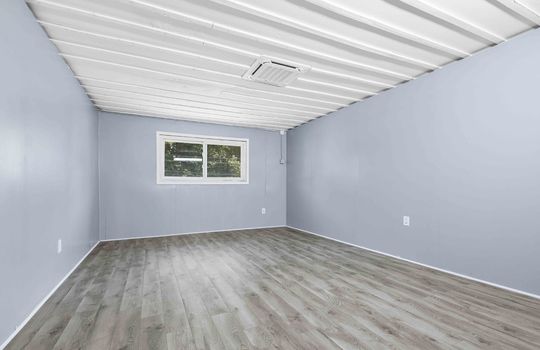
{"points": [[193, 159]]}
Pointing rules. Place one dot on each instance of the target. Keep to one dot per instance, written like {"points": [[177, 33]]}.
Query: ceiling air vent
{"points": [[274, 72]]}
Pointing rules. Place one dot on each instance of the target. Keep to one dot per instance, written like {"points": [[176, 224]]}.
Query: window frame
{"points": [[161, 179]]}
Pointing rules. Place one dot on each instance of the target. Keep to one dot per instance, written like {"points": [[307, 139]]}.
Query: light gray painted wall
{"points": [[458, 150], [48, 167], [132, 204]]}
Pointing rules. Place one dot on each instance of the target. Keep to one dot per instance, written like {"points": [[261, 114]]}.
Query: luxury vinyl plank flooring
{"points": [[271, 289]]}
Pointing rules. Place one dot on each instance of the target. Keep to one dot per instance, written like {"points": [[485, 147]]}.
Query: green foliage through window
{"points": [[202, 159], [223, 161], [183, 159]]}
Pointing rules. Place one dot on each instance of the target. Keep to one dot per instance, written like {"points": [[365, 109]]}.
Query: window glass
{"points": [[183, 159], [197, 159], [224, 161]]}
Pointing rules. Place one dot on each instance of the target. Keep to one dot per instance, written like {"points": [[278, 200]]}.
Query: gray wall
{"points": [[48, 167], [132, 204], [458, 150]]}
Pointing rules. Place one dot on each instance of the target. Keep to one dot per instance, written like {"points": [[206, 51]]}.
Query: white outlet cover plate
{"points": [[406, 221]]}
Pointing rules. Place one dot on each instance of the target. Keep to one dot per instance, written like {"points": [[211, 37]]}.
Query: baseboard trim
{"points": [[517, 291], [38, 306], [192, 233]]}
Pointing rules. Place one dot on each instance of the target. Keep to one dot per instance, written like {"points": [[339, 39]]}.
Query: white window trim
{"points": [[162, 136]]}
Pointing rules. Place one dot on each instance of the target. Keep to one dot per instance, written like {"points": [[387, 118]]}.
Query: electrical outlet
{"points": [[406, 221], [263, 211], [59, 248]]}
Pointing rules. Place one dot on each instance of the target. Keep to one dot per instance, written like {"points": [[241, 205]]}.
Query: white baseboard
{"points": [[192, 233], [6, 342], [38, 306], [421, 264]]}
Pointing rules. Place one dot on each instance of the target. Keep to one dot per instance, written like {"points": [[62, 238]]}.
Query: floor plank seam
{"points": [[510, 289], [271, 288]]}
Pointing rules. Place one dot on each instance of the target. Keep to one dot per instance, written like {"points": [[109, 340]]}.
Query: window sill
{"points": [[161, 182]]}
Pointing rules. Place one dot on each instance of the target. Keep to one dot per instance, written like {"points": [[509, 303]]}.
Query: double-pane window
{"points": [[201, 159]]}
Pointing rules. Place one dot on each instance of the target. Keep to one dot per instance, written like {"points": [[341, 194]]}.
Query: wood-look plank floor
{"points": [[271, 289]]}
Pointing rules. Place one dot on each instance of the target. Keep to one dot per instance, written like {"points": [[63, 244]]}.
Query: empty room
{"points": [[269, 174]]}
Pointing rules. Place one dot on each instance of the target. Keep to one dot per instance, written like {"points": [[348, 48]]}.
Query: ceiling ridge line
{"points": [[239, 32], [377, 70], [196, 79], [215, 117], [211, 70], [189, 53], [454, 20], [145, 58], [140, 43], [336, 86], [326, 110], [111, 99], [386, 27], [352, 77], [202, 114], [180, 112], [327, 93], [86, 86], [195, 109], [307, 28], [272, 127], [521, 9]]}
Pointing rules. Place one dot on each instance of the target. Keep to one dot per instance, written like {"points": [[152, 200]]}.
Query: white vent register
{"points": [[274, 72]]}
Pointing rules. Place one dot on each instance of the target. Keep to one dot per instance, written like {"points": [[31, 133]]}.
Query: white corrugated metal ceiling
{"points": [[185, 59]]}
